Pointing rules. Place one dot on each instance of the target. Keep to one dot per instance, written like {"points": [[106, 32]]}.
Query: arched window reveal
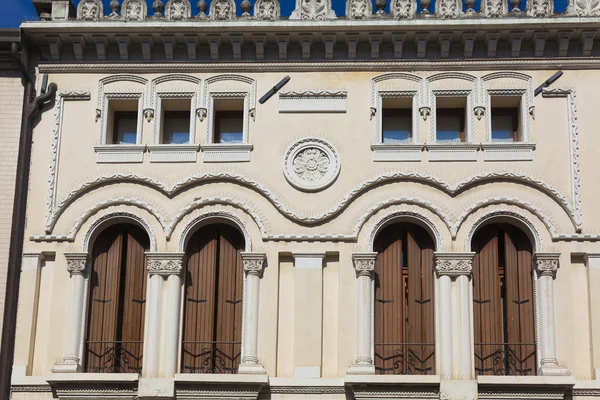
{"points": [[404, 303], [503, 302]]}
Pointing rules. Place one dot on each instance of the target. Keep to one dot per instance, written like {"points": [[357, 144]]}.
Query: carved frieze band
{"points": [[364, 263], [254, 263], [453, 264], [77, 262], [546, 264], [164, 263]]}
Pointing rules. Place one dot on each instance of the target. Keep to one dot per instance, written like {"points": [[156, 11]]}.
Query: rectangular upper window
{"points": [[122, 122], [450, 125], [396, 120], [505, 119], [175, 121], [229, 121]]}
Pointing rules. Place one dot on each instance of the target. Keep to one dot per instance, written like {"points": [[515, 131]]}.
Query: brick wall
{"points": [[10, 124]]}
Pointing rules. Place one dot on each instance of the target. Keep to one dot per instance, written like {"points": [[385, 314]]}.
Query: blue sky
{"points": [[16, 11]]}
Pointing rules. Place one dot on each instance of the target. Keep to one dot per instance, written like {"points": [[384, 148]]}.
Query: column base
{"points": [[251, 369], [154, 388], [555, 370], [458, 389], [66, 367], [361, 369]]}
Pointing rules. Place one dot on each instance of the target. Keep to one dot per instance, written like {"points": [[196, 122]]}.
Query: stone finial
{"points": [[115, 9], [267, 9], [202, 7], [358, 9], [164, 263], [77, 262], [425, 6], [380, 6], [453, 264], [253, 263], [222, 9], [546, 264], [515, 6], [135, 10], [470, 5], [318, 10], [90, 10], [177, 10], [159, 7], [401, 9], [364, 263], [246, 7]]}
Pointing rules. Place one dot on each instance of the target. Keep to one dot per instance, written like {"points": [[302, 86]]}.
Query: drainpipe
{"points": [[32, 108]]}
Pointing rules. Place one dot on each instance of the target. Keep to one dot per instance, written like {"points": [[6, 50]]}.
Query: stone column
{"points": [[546, 265], [159, 266], [364, 263], [77, 266], [253, 266], [592, 262], [168, 265], [457, 266]]}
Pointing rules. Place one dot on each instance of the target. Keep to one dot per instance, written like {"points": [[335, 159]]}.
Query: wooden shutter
{"points": [[116, 302], [213, 301], [404, 303]]}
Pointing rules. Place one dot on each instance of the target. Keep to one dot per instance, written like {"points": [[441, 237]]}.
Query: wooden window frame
{"points": [[452, 112]]}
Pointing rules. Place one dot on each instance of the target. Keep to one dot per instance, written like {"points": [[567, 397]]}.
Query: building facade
{"points": [[390, 204]]}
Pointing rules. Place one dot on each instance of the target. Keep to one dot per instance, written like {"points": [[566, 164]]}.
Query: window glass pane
{"points": [[176, 128], [448, 128], [126, 128], [503, 127], [230, 128], [396, 129]]}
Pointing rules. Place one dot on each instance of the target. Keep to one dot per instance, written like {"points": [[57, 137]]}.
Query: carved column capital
{"points": [[253, 263], [164, 263], [453, 264], [364, 263], [77, 262], [546, 264]]}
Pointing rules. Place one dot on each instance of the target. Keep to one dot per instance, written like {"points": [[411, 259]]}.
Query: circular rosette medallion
{"points": [[311, 164]]}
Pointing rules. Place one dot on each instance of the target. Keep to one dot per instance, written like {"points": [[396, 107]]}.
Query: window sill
{"points": [[222, 378], [392, 379], [452, 151], [173, 153], [508, 151], [397, 152], [120, 153], [227, 152]]}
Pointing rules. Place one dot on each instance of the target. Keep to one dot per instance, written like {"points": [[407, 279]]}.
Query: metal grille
{"points": [[505, 359], [114, 357], [405, 358], [211, 357]]}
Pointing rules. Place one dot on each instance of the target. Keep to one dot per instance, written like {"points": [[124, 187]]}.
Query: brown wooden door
{"points": [[213, 301], [404, 318], [117, 300], [503, 302]]}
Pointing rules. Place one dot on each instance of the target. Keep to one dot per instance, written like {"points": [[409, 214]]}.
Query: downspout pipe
{"points": [[32, 108]]}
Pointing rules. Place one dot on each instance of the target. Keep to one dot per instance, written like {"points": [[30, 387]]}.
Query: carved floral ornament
{"points": [[90, 10], [267, 9], [364, 263], [546, 264], [178, 9], [253, 263], [222, 9], [311, 164], [77, 262], [164, 263], [453, 264]]}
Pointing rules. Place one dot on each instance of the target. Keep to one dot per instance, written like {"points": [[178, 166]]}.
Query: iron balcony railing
{"points": [[405, 358], [117, 356], [211, 357], [505, 359]]}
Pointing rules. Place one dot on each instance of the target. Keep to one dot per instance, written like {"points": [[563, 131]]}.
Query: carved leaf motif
{"points": [[493, 8], [358, 9], [402, 8], [587, 8], [222, 10], [313, 9], [540, 8], [311, 164], [134, 10], [267, 9], [447, 9]]}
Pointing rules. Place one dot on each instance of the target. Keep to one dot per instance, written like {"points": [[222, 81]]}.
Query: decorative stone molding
{"points": [[178, 9], [318, 10], [358, 9], [539, 8], [312, 101], [508, 151], [453, 264], [452, 151], [173, 153], [267, 10], [134, 10], [119, 153], [253, 262], [586, 8], [102, 218], [397, 152], [217, 152], [546, 264], [77, 262], [494, 8], [192, 223], [403, 9], [222, 9], [448, 8], [90, 10], [164, 263], [311, 164], [364, 263]]}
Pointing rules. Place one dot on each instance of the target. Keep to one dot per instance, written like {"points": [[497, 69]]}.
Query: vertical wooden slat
{"points": [[414, 299], [428, 301]]}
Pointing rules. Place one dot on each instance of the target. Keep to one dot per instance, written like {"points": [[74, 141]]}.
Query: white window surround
{"points": [[120, 153], [410, 151], [459, 151], [224, 152], [312, 101], [166, 153], [509, 151]]}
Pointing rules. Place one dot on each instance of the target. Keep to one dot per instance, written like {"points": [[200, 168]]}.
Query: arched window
{"points": [[117, 300], [503, 302], [404, 303], [212, 327]]}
